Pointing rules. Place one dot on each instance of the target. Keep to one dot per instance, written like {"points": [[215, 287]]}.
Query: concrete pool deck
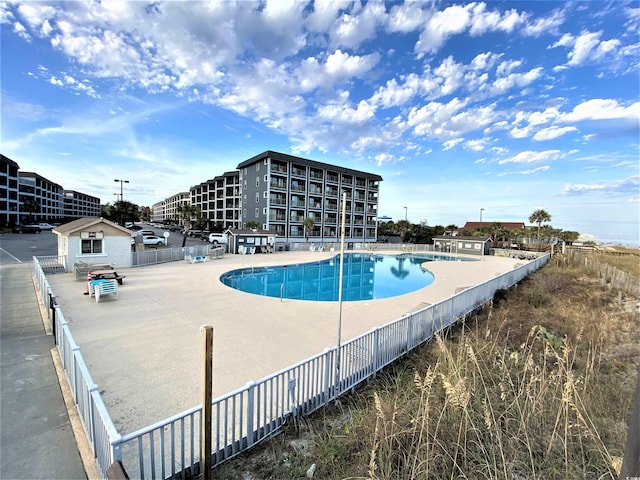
{"points": [[143, 349]]}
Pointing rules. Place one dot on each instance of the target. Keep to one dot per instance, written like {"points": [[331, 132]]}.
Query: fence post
{"points": [[328, 368], [52, 307], [251, 386], [376, 337]]}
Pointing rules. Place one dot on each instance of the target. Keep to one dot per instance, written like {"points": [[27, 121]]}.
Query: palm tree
{"points": [[186, 212], [308, 224], [540, 216]]}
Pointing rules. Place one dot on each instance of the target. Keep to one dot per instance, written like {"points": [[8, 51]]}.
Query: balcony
{"points": [[278, 168], [278, 201], [332, 177], [298, 171], [315, 189], [278, 184], [316, 174]]}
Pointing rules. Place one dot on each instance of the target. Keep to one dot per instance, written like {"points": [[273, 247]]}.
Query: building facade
{"points": [[172, 206], [78, 205], [279, 191], [9, 192], [27, 197], [219, 201]]}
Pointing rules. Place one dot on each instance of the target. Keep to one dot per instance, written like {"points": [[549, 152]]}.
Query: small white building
{"points": [[94, 240]]}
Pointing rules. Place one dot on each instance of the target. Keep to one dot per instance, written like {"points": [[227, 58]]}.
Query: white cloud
{"points": [[626, 186], [552, 132], [532, 157], [351, 30], [602, 109], [441, 25]]}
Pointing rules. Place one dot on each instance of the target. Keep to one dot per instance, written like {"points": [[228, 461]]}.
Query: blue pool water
{"points": [[365, 277]]}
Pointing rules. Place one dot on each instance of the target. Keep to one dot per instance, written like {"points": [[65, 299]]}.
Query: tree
{"points": [[187, 212], [308, 224], [403, 227], [252, 225], [540, 216], [31, 207]]}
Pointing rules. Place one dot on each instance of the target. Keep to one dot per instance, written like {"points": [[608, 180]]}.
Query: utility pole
{"points": [[481, 210]]}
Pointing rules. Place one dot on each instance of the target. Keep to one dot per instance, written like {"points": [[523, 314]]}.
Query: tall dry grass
{"points": [[538, 385]]}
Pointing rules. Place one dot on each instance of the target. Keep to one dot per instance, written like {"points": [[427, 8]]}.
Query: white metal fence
{"points": [[244, 417], [99, 429], [163, 255]]}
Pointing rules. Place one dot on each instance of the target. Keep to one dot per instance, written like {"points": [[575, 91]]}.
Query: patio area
{"points": [[143, 349]]}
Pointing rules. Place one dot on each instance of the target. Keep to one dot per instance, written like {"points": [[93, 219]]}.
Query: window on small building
{"points": [[91, 245]]}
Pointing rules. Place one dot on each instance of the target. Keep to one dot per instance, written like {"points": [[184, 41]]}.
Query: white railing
{"points": [[253, 413], [163, 255], [99, 429], [244, 417]]}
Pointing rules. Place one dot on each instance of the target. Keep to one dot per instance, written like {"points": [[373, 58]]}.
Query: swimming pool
{"points": [[365, 277]]}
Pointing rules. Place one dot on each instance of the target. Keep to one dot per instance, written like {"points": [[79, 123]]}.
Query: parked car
{"points": [[45, 226], [145, 232], [153, 240], [218, 238], [135, 227], [27, 229]]}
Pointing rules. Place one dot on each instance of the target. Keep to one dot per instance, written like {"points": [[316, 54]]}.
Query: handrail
{"points": [[282, 288]]}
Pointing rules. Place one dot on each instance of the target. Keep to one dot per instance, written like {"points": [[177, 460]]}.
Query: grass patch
{"points": [[538, 385]]}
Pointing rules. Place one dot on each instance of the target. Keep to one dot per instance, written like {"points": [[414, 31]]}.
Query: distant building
{"points": [[219, 200], [30, 197], [277, 192], [9, 192], [78, 205], [280, 191]]}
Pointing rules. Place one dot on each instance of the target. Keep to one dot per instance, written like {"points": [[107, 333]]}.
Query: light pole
{"points": [[342, 229], [117, 196], [121, 182], [405, 214], [481, 210]]}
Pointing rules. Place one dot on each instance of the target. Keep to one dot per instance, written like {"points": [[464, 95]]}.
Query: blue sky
{"points": [[503, 106]]}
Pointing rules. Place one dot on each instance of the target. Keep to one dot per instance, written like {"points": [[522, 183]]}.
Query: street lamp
{"points": [[342, 229], [117, 196], [121, 182]]}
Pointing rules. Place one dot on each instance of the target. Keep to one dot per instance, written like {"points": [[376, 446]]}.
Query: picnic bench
{"points": [[81, 269], [102, 287], [107, 275]]}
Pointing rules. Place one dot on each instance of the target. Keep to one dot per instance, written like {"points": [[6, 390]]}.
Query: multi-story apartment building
{"points": [[78, 205], [219, 200], [9, 192], [158, 212], [29, 197], [172, 206], [47, 195], [280, 191]]}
